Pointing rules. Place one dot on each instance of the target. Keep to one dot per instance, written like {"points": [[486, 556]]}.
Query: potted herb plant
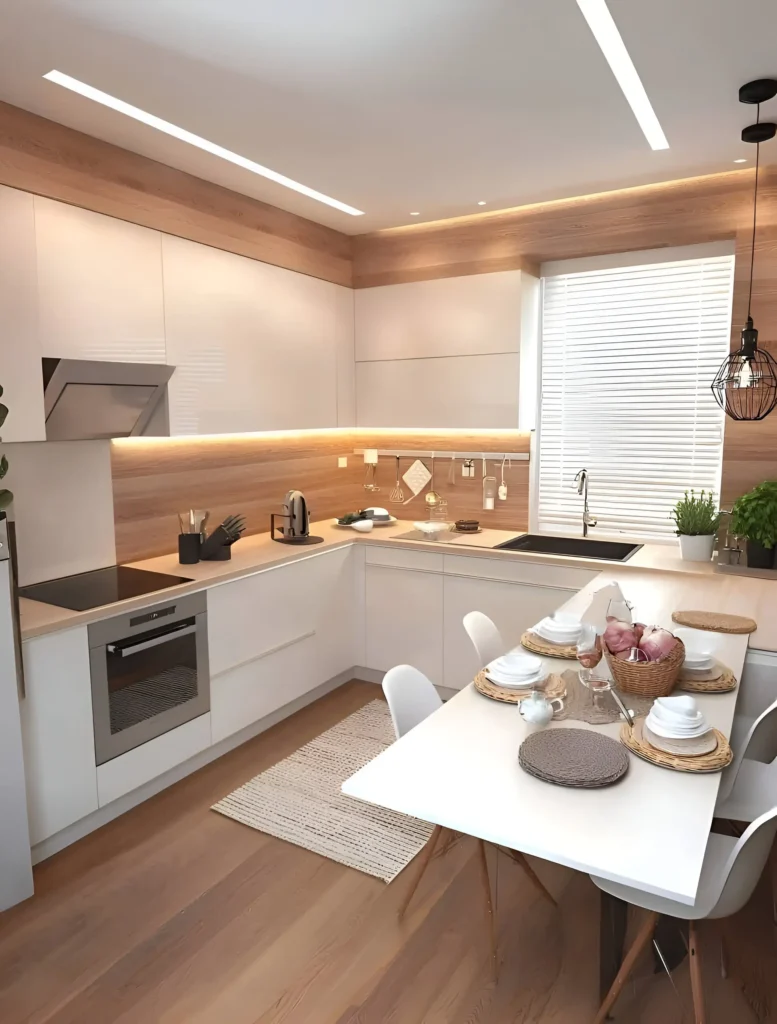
{"points": [[697, 518], [754, 517]]}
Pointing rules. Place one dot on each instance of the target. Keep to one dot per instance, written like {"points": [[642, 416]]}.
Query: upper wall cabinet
{"points": [[99, 286], [443, 353], [256, 347], [20, 369]]}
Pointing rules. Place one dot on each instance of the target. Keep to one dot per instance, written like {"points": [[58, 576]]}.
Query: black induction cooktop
{"points": [[103, 586]]}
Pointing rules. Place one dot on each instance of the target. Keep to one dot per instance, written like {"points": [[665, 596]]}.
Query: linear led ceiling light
{"points": [[194, 140], [606, 33]]}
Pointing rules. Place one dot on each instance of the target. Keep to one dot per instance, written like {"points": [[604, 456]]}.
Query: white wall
{"points": [[63, 507]]}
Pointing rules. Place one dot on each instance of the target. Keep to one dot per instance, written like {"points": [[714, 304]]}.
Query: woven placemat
{"points": [[533, 642], [715, 622], [716, 761], [573, 757], [725, 683], [579, 703], [552, 686]]}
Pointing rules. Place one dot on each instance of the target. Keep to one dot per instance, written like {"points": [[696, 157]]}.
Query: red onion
{"points": [[619, 636], [657, 643]]}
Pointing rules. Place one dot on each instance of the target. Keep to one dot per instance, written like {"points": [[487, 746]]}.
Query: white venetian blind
{"points": [[628, 355]]}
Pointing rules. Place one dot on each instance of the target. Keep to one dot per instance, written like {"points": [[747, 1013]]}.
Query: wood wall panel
{"points": [[47, 158], [155, 478]]}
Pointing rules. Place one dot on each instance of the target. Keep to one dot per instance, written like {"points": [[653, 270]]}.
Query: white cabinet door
{"points": [[278, 634], [453, 316], [476, 392], [758, 687], [20, 352], [99, 286], [57, 732], [404, 613], [254, 345], [514, 607]]}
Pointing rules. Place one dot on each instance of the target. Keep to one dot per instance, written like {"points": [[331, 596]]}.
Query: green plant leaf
{"points": [[6, 497], [3, 466], [3, 413]]}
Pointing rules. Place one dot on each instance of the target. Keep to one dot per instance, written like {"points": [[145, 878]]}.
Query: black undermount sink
{"points": [[577, 547]]}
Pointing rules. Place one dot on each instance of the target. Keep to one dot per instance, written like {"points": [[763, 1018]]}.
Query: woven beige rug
{"points": [[299, 800]]}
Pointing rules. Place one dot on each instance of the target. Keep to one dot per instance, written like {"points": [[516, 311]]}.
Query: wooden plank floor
{"points": [[176, 915]]}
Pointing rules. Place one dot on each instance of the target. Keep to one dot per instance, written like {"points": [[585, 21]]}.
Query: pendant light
{"points": [[745, 386]]}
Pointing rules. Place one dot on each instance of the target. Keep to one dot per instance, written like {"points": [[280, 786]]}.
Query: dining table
{"points": [[459, 769]]}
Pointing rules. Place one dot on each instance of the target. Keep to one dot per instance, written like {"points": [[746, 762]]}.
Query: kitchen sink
{"points": [[577, 547]]}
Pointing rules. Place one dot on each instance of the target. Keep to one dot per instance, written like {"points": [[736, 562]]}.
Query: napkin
{"points": [[416, 478]]}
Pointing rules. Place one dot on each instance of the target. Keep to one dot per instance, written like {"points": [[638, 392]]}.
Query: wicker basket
{"points": [[648, 678]]}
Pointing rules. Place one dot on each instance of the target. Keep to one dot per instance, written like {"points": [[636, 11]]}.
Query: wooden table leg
{"points": [[613, 915], [694, 956], [423, 862]]}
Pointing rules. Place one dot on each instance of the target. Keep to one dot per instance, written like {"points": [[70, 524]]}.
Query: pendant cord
{"points": [[755, 209]]}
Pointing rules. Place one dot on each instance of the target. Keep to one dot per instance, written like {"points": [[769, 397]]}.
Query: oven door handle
{"points": [[145, 644]]}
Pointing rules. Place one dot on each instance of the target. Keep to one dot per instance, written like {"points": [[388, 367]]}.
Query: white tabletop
{"points": [[459, 769]]}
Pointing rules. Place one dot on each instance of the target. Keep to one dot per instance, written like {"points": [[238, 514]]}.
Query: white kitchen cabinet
{"points": [[99, 286], [255, 346], [148, 761], [278, 634], [453, 316], [474, 392], [20, 354], [514, 607], [57, 732], [404, 619]]}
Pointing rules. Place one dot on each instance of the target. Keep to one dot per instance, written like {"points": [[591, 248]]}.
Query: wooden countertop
{"points": [[685, 584]]}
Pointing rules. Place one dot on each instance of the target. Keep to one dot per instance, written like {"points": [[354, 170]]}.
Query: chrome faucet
{"points": [[582, 488]]}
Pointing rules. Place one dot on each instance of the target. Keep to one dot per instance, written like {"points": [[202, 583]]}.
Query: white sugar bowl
{"points": [[538, 710]]}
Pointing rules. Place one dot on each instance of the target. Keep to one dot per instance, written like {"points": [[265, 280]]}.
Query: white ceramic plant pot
{"points": [[697, 549]]}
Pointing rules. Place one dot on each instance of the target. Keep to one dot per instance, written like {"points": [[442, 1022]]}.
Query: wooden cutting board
{"points": [[715, 622]]}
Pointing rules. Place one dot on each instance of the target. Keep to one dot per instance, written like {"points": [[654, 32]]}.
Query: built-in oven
{"points": [[149, 673]]}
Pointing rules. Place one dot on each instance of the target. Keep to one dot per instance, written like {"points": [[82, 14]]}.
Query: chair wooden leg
{"points": [[491, 920], [694, 956], [644, 935], [423, 862], [523, 863]]}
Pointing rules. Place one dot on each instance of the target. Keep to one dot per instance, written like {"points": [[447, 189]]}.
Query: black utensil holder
{"points": [[218, 547], [189, 545]]}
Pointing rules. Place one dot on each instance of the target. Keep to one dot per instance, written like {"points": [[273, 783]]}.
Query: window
{"points": [[628, 355]]}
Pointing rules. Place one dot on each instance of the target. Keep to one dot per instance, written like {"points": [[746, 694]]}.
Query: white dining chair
{"points": [[486, 637], [411, 697], [729, 874], [749, 784]]}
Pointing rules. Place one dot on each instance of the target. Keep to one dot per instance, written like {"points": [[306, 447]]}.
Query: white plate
{"points": [[375, 522], [660, 729], [516, 665], [514, 684], [555, 636]]}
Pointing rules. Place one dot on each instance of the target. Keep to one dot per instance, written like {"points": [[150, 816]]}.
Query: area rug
{"points": [[299, 800]]}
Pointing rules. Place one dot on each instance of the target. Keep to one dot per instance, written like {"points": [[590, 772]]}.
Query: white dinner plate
{"points": [[515, 684]]}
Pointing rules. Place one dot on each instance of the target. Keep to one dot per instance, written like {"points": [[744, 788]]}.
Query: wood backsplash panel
{"points": [[153, 479]]}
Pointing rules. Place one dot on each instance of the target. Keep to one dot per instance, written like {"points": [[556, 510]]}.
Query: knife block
{"points": [[217, 548]]}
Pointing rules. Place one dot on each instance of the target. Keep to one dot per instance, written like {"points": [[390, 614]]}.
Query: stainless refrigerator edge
{"points": [[15, 859]]}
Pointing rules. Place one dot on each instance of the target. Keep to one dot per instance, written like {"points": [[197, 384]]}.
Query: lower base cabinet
{"points": [[248, 693], [404, 619]]}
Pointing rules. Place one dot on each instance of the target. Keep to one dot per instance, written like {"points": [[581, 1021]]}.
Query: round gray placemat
{"points": [[573, 757]]}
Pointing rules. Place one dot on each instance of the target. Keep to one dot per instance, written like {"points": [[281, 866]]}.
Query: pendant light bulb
{"points": [[745, 375]]}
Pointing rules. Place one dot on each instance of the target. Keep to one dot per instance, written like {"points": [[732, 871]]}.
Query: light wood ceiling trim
{"points": [[49, 159], [674, 213]]}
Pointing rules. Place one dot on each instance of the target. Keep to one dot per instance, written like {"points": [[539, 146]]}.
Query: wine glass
{"points": [[589, 654], [619, 608]]}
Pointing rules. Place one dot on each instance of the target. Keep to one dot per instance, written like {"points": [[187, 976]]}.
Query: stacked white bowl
{"points": [[676, 726], [516, 671], [562, 629], [699, 650]]}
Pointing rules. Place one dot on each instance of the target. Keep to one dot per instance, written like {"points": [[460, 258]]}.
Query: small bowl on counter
{"points": [[431, 528]]}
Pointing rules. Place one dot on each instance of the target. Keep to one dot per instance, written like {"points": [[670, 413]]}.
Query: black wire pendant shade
{"points": [[745, 386]]}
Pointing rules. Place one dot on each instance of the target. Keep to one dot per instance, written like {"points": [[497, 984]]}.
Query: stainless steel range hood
{"points": [[88, 398]]}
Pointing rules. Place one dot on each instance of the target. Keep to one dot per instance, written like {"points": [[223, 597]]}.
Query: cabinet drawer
{"points": [[146, 762], [250, 692], [401, 558], [538, 574]]}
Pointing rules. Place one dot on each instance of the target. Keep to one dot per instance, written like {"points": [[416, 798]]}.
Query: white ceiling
{"points": [[400, 105]]}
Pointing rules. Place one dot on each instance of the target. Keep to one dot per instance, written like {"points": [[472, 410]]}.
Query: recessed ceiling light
{"points": [[194, 140], [415, 213], [481, 202], [741, 160], [606, 33]]}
